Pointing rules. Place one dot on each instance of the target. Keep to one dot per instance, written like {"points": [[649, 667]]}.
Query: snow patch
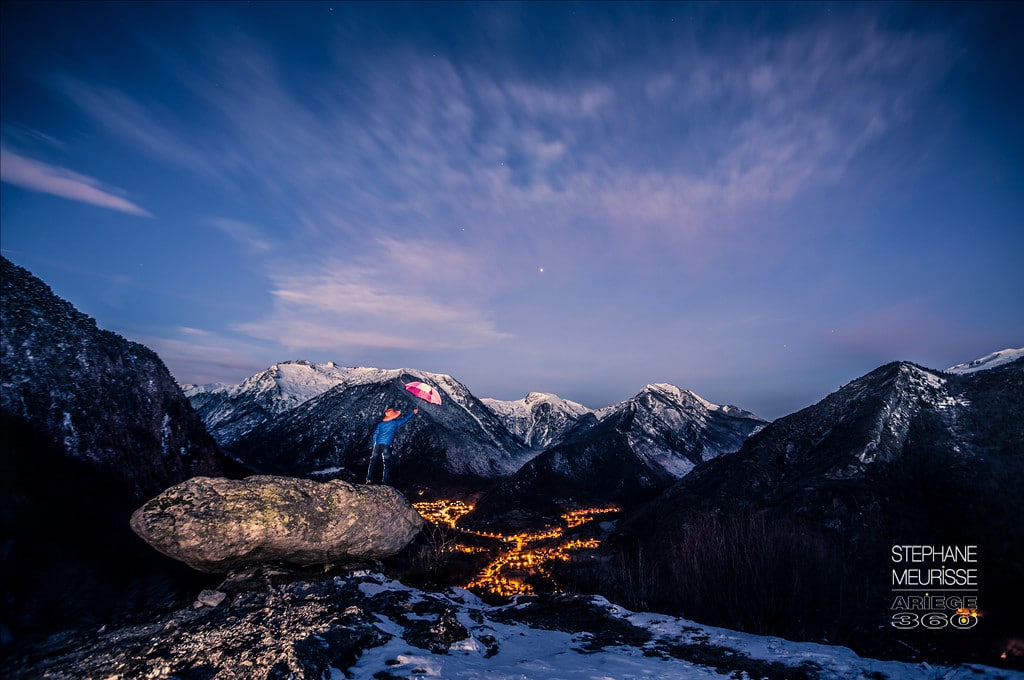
{"points": [[327, 471], [165, 435], [999, 358], [505, 650]]}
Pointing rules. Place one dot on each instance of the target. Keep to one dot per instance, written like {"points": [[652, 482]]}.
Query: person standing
{"points": [[383, 438]]}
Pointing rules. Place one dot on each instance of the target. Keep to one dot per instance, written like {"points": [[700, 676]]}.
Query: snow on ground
{"points": [[511, 650], [365, 626]]}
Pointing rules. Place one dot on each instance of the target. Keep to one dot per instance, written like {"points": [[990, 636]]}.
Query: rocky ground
{"points": [[268, 622]]}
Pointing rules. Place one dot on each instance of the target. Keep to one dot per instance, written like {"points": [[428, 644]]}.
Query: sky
{"points": [[756, 202]]}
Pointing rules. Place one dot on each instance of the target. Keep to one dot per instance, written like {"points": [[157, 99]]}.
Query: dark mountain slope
{"points": [[330, 435], [96, 395], [902, 456], [92, 426], [636, 450], [598, 469]]}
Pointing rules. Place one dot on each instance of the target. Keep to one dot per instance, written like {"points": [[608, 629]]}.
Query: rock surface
{"points": [[274, 624], [215, 524]]}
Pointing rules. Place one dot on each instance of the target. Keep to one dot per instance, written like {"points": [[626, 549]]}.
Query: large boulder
{"points": [[215, 524]]}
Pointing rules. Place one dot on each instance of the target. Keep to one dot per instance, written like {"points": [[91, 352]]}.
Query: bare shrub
{"points": [[439, 558], [759, 574], [745, 571]]}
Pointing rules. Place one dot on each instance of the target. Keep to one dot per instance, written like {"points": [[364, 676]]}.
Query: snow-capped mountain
{"points": [[899, 414], [231, 411], [637, 448], [902, 455], [675, 429], [539, 420], [330, 434], [999, 358], [316, 419]]}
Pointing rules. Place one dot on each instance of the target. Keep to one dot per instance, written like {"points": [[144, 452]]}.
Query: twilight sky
{"points": [[758, 202]]}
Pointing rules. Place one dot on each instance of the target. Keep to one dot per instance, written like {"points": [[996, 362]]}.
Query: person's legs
{"points": [[385, 454], [371, 470]]}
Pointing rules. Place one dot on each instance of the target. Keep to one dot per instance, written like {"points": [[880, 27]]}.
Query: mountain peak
{"points": [[999, 358], [677, 394], [296, 380], [539, 419]]}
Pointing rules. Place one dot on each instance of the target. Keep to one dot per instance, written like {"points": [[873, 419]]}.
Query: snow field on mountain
{"points": [[999, 358], [302, 381]]}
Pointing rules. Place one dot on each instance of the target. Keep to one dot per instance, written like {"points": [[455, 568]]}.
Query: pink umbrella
{"points": [[424, 392]]}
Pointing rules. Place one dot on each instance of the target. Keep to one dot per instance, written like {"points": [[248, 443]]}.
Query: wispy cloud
{"points": [[538, 101], [421, 157], [404, 295], [50, 179], [416, 142], [248, 235], [202, 356], [148, 126], [23, 135]]}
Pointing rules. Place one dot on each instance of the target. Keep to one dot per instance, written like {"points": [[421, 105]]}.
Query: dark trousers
{"points": [[381, 452]]}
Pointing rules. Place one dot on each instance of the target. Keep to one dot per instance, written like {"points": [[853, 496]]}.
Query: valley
{"points": [[522, 565]]}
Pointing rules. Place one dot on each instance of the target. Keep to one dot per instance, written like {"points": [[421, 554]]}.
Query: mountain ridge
{"points": [[330, 433], [626, 455], [272, 424], [539, 419], [59, 369], [93, 425], [901, 455]]}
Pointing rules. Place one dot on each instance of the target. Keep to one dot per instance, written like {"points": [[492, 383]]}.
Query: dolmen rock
{"points": [[216, 524]]}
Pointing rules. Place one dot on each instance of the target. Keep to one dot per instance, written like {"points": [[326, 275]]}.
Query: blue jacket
{"points": [[385, 432]]}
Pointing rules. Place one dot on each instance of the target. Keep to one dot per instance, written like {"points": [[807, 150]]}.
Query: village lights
{"points": [[529, 554]]}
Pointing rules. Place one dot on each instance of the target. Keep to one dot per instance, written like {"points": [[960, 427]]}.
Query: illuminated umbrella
{"points": [[424, 392]]}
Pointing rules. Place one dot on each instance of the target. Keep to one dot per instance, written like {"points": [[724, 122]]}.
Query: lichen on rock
{"points": [[214, 524]]}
